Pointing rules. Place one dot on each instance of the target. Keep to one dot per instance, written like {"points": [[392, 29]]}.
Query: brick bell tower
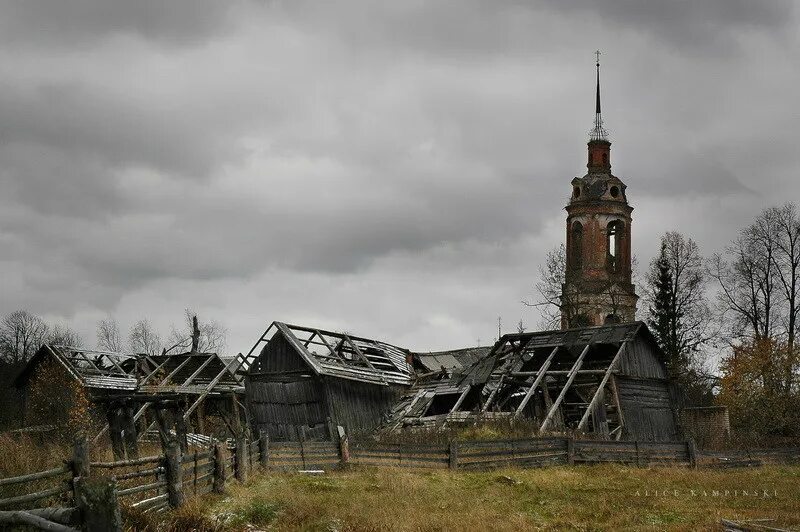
{"points": [[597, 287]]}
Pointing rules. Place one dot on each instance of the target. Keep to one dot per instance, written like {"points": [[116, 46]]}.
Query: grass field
{"points": [[611, 497]]}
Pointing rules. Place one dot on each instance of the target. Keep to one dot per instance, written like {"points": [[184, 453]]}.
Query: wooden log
{"points": [[80, 458], [130, 435], [344, 447], [263, 438], [128, 463], [50, 473], [21, 517], [242, 459], [65, 516], [31, 497], [220, 474], [453, 462], [97, 501], [115, 431], [571, 451], [173, 473], [691, 449]]}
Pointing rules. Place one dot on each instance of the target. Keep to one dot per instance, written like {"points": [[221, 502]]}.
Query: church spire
{"points": [[598, 132]]}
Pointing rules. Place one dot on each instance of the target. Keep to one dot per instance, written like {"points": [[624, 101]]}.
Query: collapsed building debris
{"points": [[145, 392], [608, 380]]}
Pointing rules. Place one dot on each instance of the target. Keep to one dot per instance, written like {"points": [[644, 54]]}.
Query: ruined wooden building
{"points": [[306, 380], [136, 394], [609, 381]]}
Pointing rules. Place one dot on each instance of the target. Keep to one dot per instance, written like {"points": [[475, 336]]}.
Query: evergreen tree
{"points": [[664, 319]]}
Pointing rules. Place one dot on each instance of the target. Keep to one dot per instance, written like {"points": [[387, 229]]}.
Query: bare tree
{"points": [[143, 339], [21, 335], [109, 337], [572, 303], [747, 275], [552, 276], [787, 262], [205, 337], [63, 335]]}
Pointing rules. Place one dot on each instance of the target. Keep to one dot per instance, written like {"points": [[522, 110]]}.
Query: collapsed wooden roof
{"points": [[98, 370], [338, 354], [574, 365]]}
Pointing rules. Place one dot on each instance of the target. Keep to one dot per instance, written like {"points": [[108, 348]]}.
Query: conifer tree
{"points": [[664, 317]]}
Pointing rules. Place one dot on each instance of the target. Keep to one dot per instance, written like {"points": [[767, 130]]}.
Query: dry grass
{"points": [[612, 497]]}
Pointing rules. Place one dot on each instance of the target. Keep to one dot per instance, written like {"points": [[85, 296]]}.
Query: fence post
{"points": [[80, 458], [219, 468], [344, 446], [636, 445], [263, 437], [96, 500], [571, 450], [241, 459], [453, 454], [173, 473], [691, 447]]}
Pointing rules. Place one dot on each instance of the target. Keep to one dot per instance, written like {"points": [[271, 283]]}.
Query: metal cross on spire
{"points": [[598, 132]]}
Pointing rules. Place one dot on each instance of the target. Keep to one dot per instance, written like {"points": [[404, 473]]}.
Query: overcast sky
{"points": [[394, 169]]}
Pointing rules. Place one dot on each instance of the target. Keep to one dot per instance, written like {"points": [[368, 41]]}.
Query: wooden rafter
{"points": [[557, 403], [599, 393], [539, 376]]}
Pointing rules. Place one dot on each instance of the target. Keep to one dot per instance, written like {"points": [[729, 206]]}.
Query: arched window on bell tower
{"points": [[576, 245], [614, 232]]}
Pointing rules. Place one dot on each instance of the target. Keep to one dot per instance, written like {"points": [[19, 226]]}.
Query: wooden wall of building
{"points": [[640, 359], [646, 409], [360, 406], [286, 398]]}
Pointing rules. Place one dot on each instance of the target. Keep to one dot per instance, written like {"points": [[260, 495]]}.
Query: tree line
{"points": [[22, 333]]}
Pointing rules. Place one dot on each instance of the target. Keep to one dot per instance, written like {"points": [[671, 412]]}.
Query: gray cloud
{"points": [[397, 170], [80, 22]]}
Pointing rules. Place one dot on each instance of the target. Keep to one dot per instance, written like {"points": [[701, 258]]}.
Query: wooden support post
{"points": [[80, 458], [241, 459], [235, 418], [173, 473], [302, 437], [201, 418], [691, 448], [131, 436], [219, 468], [571, 451], [263, 446], [344, 446], [180, 430], [453, 454], [115, 431], [638, 461], [96, 500]]}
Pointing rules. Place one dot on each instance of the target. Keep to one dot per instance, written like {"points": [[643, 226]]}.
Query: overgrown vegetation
{"points": [[609, 497]]}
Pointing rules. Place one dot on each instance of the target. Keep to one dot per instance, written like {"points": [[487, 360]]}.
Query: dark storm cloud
{"points": [[315, 157], [79, 22]]}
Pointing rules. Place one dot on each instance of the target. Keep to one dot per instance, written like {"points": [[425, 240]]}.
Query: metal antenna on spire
{"points": [[598, 132]]}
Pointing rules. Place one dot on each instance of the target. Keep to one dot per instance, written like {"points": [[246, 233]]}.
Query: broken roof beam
{"points": [[599, 393], [539, 376], [557, 403]]}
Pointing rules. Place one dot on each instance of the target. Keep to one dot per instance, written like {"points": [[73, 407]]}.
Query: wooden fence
{"points": [[538, 452], [55, 499]]}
